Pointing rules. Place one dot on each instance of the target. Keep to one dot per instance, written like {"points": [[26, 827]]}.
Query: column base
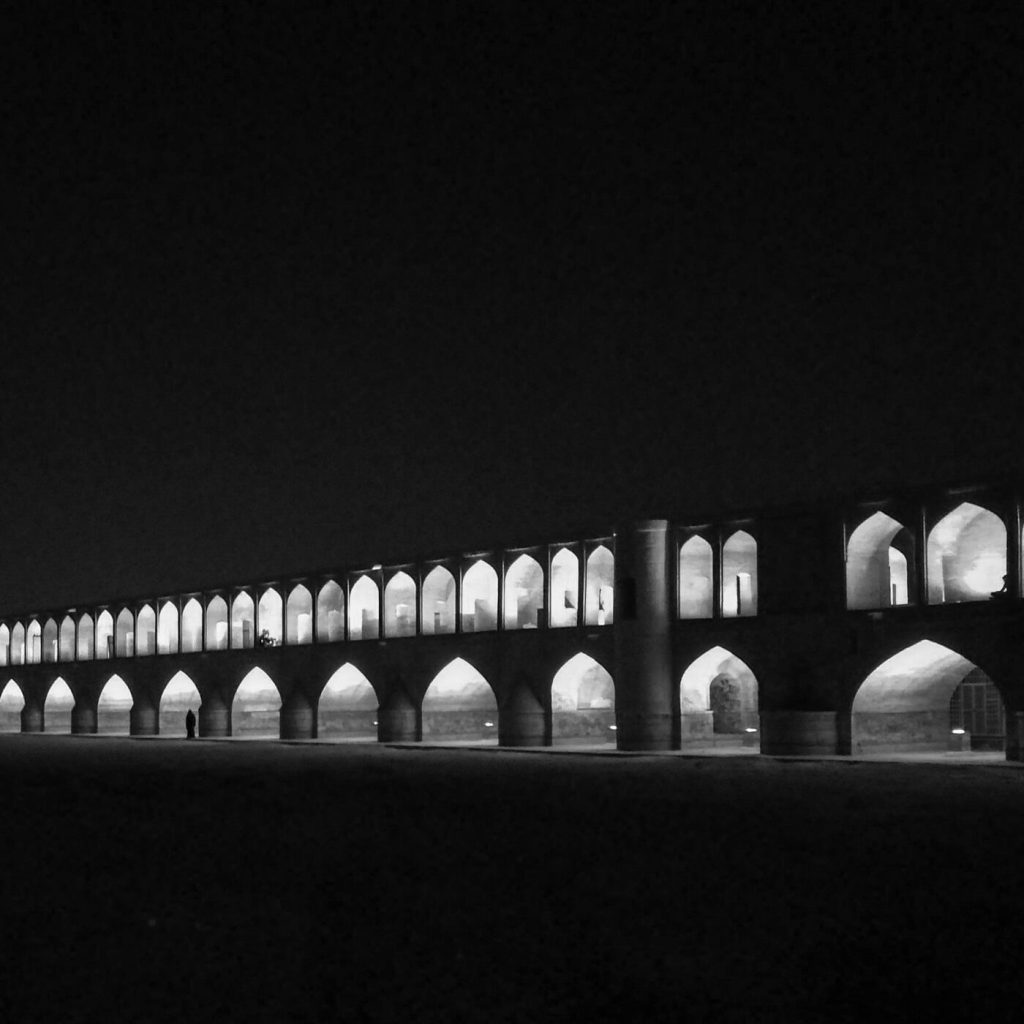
{"points": [[799, 733], [643, 731]]}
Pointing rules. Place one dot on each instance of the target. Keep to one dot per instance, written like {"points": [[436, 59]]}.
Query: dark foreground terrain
{"points": [[159, 880]]}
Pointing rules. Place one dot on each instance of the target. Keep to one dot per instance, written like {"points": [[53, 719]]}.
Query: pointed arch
{"points": [[348, 706], [718, 700], [48, 644], [330, 613], [178, 697], [364, 609], [269, 616], [243, 621], [460, 705], [600, 583], [438, 612], [124, 634], [114, 708], [191, 627], [877, 571], [479, 598], [966, 555], [5, 644], [216, 624], [145, 631], [256, 707], [12, 701], [582, 702], [298, 616], [696, 574], [33, 643], [904, 704], [524, 593], [57, 707], [85, 645], [400, 605], [66, 640], [18, 644], [564, 598], [739, 575], [104, 635], [167, 629]]}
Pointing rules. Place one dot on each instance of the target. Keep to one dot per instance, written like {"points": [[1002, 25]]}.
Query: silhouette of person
{"points": [[190, 725], [1004, 590]]}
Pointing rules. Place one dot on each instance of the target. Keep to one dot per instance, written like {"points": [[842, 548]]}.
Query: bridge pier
{"points": [[799, 733], [214, 715], [1014, 735], [144, 720], [397, 719], [32, 717], [521, 720], [297, 719], [642, 633], [83, 720]]}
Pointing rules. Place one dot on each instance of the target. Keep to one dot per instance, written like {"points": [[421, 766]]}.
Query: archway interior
{"points": [[18, 644], [113, 709], [66, 651], [330, 613], [191, 627], [256, 707], [50, 643], [167, 630], [348, 707], [876, 570], [696, 593], [739, 575], [33, 643], [479, 598], [180, 695], [718, 702], [104, 635], [565, 587], [217, 624], [86, 638], [298, 616], [400, 605], [364, 610], [582, 703], [460, 705], [913, 700], [966, 556], [600, 587], [524, 593], [269, 623], [57, 707], [243, 626], [438, 602], [5, 645], [145, 631], [12, 701]]}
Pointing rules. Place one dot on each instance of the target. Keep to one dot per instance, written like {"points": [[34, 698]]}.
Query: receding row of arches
{"points": [[965, 554], [734, 566], [574, 597]]}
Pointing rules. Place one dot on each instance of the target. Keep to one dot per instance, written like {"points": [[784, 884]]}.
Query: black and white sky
{"points": [[288, 286]]}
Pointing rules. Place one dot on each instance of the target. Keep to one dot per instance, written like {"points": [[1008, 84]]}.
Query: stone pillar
{"points": [[297, 719], [32, 717], [83, 719], [643, 639], [214, 715], [398, 720], [521, 720], [144, 720], [799, 733], [1014, 734]]}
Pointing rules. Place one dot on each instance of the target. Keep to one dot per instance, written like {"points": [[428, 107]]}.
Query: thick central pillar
{"points": [[643, 638]]}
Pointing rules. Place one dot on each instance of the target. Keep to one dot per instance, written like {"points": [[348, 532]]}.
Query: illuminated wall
{"points": [[966, 555], [438, 602], [113, 710], [348, 707], [460, 705], [256, 707], [180, 694], [11, 703], [876, 572], [717, 697], [696, 592], [524, 593], [582, 702]]}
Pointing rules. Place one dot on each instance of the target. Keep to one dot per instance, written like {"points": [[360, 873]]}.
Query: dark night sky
{"points": [[287, 286]]}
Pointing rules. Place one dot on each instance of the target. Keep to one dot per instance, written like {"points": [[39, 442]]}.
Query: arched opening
{"points": [[696, 569], [348, 707], [114, 708], [877, 567], [582, 702], [479, 598], [460, 706], [179, 696], [718, 703], [191, 627], [104, 635], [400, 605], [50, 641], [33, 643], [145, 632], [167, 629], [739, 575], [524, 593], [12, 701], [364, 610], [124, 634], [600, 583], [256, 708], [57, 707], [18, 644], [86, 645], [5, 645], [966, 556], [563, 606], [298, 616], [912, 702], [243, 634], [269, 623], [438, 602], [217, 624], [66, 643], [330, 613]]}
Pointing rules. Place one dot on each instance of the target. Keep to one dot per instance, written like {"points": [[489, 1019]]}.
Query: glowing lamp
{"points": [[749, 730], [375, 721], [613, 728], [958, 732], [488, 725], [376, 568]]}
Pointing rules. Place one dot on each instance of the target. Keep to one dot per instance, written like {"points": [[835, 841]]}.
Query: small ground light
{"points": [[959, 732], [613, 728], [748, 729], [488, 725], [375, 721]]}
